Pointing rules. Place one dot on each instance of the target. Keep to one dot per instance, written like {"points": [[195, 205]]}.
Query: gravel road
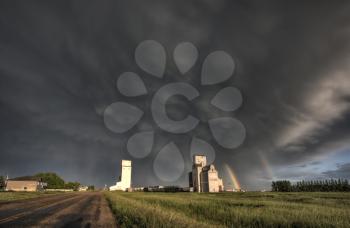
{"points": [[88, 209]]}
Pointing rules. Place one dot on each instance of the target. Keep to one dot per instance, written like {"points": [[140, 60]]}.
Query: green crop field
{"points": [[251, 209]]}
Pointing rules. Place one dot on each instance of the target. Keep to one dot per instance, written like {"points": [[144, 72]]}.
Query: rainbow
{"points": [[233, 177], [266, 165]]}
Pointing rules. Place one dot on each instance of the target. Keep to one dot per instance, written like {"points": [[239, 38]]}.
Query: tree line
{"points": [[53, 181], [332, 185]]}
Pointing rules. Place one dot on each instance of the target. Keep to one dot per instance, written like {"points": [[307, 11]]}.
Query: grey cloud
{"points": [[342, 171]]}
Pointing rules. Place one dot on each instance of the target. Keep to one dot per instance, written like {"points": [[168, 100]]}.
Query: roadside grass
{"points": [[250, 209], [10, 196]]}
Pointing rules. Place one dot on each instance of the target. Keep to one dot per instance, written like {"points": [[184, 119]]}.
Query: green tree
{"points": [[72, 185], [281, 186], [52, 179], [2, 182]]}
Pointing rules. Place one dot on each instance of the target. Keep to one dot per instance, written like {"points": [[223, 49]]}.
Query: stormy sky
{"points": [[60, 60]]}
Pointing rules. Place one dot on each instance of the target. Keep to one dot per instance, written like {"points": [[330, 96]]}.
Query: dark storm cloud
{"points": [[59, 62]]}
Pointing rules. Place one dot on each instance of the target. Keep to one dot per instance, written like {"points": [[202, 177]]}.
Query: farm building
{"points": [[27, 183], [83, 188], [204, 178]]}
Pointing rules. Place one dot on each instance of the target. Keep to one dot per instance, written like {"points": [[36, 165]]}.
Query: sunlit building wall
{"points": [[204, 178], [125, 177]]}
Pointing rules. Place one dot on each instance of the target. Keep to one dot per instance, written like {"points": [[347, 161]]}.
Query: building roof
{"points": [[208, 167], [26, 178]]}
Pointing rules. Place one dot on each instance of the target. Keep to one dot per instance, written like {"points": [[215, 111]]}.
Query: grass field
{"points": [[251, 209], [9, 196]]}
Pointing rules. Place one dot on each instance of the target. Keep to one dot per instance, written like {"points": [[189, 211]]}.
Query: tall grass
{"points": [[141, 209]]}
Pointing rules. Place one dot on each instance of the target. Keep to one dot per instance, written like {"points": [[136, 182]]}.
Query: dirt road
{"points": [[88, 209]]}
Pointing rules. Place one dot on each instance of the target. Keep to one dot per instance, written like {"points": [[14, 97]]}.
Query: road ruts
{"points": [[64, 210]]}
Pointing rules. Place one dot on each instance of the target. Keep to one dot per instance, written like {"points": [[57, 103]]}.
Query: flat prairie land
{"points": [[10, 196], [250, 209]]}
